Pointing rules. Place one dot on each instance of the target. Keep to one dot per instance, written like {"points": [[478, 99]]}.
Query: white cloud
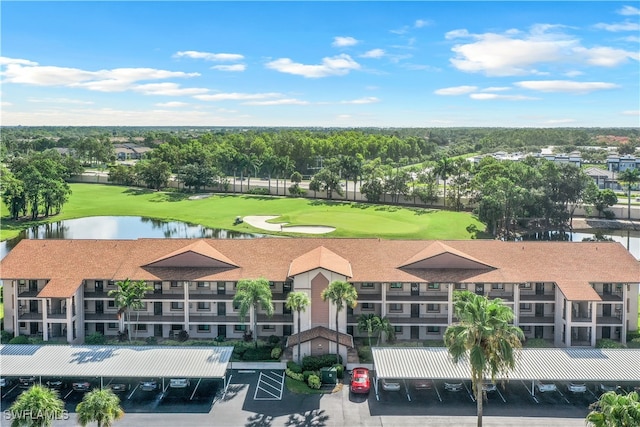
{"points": [[492, 96], [422, 23], [373, 53], [366, 100], [236, 96], [344, 41], [334, 66], [560, 121], [631, 39], [456, 90], [606, 56], [454, 34], [5, 104], [234, 67], [287, 101], [59, 101], [631, 113], [208, 56], [628, 11], [618, 26], [496, 89], [5, 61], [573, 73], [566, 86], [400, 31], [172, 104], [167, 89]]}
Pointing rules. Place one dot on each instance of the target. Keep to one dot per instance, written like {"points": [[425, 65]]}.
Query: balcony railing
{"points": [[537, 297], [547, 320]]}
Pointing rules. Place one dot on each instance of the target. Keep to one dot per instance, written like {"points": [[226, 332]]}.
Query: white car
{"points": [[488, 386], [390, 385], [453, 386], [577, 387], [609, 387], [544, 387], [179, 383]]}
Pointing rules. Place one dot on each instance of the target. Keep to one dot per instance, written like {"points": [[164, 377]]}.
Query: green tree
{"points": [[483, 336], [251, 294], [154, 172], [443, 169], [341, 294], [368, 323], [615, 410], [101, 406], [328, 181], [629, 177], [384, 328], [128, 296], [298, 301], [36, 407]]}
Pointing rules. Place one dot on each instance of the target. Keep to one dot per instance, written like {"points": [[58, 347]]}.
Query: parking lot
{"points": [[246, 403]]}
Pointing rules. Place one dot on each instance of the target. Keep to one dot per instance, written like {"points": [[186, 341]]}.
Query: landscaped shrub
{"points": [[259, 191], [339, 371], [364, 353], [20, 339], [221, 338], [273, 339], [294, 367], [276, 352], [631, 335], [5, 336], [314, 382], [608, 343], [537, 343], [183, 336], [433, 343], [151, 341], [294, 375], [260, 353], [314, 363], [95, 338], [307, 374], [634, 343]]}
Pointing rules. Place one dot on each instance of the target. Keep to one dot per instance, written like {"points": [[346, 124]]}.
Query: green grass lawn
{"points": [[219, 211]]}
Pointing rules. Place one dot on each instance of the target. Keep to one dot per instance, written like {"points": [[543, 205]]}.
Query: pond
{"points": [[120, 227], [630, 239]]}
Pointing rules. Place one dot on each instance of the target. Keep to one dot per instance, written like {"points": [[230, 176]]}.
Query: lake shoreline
{"points": [[607, 224]]}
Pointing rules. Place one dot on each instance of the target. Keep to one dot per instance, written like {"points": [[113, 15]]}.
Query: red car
{"points": [[360, 381]]}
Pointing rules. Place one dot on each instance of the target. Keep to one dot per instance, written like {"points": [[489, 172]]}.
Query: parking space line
{"points": [[134, 390], [263, 385], [563, 396], [406, 389], [471, 396], [195, 389], [68, 394], [10, 390], [437, 391], [501, 396], [531, 393]]}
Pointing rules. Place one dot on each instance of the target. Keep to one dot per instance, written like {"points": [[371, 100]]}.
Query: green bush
{"points": [[183, 336], [364, 353], [276, 352], [634, 343], [221, 338], [259, 191], [537, 343], [314, 363], [608, 343], [5, 336], [294, 375], [260, 353], [273, 339], [631, 335], [171, 343], [307, 374], [20, 339], [294, 367], [151, 341], [95, 338], [314, 382], [339, 371]]}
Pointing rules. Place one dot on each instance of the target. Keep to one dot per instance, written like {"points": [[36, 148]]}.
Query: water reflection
{"points": [[120, 227], [630, 239]]}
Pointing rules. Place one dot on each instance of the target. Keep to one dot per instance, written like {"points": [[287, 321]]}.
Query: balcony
{"points": [[276, 318], [57, 314], [537, 297], [97, 295], [28, 315], [613, 296], [164, 297], [428, 297], [581, 318], [402, 320], [506, 296], [210, 297], [369, 297], [25, 293], [537, 320], [609, 320]]}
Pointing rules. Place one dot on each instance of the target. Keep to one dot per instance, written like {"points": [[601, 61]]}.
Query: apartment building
{"points": [[569, 293]]}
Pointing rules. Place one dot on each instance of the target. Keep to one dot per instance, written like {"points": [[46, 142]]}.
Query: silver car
{"points": [[390, 384]]}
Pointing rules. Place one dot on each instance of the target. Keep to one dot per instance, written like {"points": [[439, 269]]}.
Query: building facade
{"points": [[569, 293]]}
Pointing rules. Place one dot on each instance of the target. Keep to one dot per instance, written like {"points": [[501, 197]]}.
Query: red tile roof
{"points": [[572, 265], [320, 332]]}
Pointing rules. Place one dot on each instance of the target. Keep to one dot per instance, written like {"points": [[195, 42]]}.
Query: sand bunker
{"points": [[260, 221]]}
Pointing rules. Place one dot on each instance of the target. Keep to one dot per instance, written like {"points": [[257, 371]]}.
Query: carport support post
{"points": [[533, 390], [101, 382]]}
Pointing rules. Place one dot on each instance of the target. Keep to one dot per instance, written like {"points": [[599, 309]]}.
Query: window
{"points": [[433, 307], [236, 305], [526, 286], [143, 307], [111, 304], [268, 328], [525, 306], [272, 284], [395, 307], [498, 286], [141, 327], [204, 306], [203, 284], [23, 324], [176, 305], [433, 329], [176, 327], [397, 329], [239, 328], [366, 285], [112, 326], [204, 328], [460, 286], [175, 284], [396, 285], [367, 306], [433, 286], [526, 328]]}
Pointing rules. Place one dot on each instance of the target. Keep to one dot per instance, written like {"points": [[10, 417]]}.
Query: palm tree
{"points": [[249, 295], [298, 301], [615, 410], [36, 407], [386, 329], [484, 337], [129, 296], [341, 294], [368, 323], [443, 168], [629, 177], [101, 406]]}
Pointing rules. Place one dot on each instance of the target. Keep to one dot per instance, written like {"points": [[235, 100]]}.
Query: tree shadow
{"points": [[138, 191], [315, 417], [90, 356], [172, 196], [259, 420]]}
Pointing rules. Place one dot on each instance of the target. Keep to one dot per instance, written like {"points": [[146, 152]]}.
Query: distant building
{"points": [[130, 151], [616, 163], [604, 179]]}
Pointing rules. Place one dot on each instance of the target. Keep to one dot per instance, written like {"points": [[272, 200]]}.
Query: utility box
{"points": [[329, 375]]}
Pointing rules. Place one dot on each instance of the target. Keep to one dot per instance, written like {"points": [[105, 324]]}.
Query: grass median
{"points": [[219, 211]]}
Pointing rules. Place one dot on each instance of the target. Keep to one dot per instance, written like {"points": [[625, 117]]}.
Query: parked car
{"points": [[360, 381], [422, 384], [26, 382], [5, 382], [390, 384], [55, 383], [488, 386], [179, 383], [453, 386], [577, 387], [118, 387], [544, 387], [148, 385], [82, 386], [609, 387]]}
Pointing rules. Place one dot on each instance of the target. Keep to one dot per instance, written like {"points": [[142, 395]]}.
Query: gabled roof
{"points": [[320, 332], [578, 290], [197, 254], [439, 255], [320, 257], [60, 287]]}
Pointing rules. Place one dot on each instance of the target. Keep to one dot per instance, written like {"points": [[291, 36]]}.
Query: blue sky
{"points": [[328, 64]]}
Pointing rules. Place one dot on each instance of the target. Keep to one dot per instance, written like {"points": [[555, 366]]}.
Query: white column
{"points": [[516, 304], [186, 305], [450, 288], [69, 317], [45, 318]]}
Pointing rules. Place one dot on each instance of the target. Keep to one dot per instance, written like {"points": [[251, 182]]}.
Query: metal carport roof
{"points": [[555, 364], [114, 361]]}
